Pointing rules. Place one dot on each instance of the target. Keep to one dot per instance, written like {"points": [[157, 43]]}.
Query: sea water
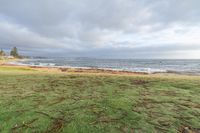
{"points": [[133, 65]]}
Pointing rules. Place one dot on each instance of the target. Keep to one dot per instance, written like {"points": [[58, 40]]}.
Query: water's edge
{"points": [[183, 67]]}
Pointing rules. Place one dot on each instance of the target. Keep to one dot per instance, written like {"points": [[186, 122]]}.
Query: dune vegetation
{"points": [[38, 101]]}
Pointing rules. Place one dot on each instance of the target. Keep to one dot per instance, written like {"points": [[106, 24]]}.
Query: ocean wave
{"points": [[143, 66]]}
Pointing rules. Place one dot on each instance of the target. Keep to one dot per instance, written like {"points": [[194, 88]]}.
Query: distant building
{"points": [[6, 57], [10, 57]]}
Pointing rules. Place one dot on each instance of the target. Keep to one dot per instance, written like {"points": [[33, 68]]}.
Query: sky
{"points": [[102, 28]]}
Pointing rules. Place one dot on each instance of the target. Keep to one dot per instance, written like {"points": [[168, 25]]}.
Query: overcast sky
{"points": [[102, 28]]}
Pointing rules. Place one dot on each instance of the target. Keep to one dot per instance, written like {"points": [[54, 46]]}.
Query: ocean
{"points": [[133, 65]]}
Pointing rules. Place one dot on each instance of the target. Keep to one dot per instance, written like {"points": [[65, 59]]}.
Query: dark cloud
{"points": [[114, 28]]}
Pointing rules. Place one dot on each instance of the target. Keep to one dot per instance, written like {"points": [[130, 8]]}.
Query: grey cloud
{"points": [[109, 28]]}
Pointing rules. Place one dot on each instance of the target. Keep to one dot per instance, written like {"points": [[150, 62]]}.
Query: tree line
{"points": [[13, 52]]}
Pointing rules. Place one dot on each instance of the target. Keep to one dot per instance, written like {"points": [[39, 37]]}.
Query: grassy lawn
{"points": [[32, 101]]}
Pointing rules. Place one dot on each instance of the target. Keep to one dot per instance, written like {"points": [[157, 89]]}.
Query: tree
{"points": [[2, 53], [14, 52]]}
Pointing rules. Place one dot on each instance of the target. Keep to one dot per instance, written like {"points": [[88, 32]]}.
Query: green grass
{"points": [[87, 103]]}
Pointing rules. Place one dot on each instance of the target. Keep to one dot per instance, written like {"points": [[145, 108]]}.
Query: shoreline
{"points": [[8, 63], [73, 69]]}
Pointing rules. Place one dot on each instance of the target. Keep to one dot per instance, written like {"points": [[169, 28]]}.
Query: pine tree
{"points": [[14, 52]]}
